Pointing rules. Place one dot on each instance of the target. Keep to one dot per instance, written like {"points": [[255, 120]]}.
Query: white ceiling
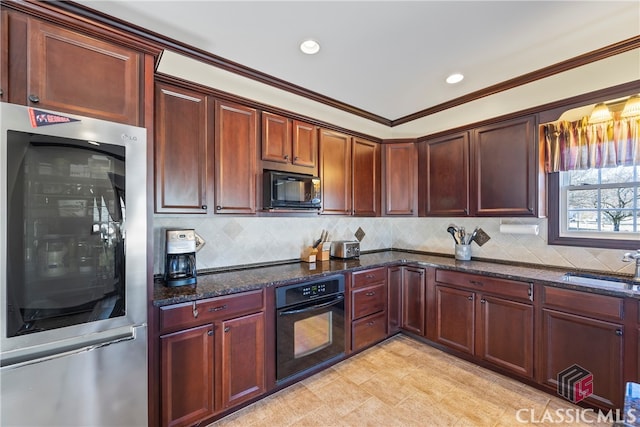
{"points": [[389, 58]]}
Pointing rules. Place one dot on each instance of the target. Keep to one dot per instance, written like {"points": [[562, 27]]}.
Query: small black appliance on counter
{"points": [[180, 264]]}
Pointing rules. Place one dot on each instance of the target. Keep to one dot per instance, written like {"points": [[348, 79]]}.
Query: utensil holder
{"points": [[309, 254], [463, 252]]}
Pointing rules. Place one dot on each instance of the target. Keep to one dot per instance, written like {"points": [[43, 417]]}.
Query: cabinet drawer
{"points": [[209, 310], [368, 330], [599, 306], [369, 300], [368, 277], [485, 284]]}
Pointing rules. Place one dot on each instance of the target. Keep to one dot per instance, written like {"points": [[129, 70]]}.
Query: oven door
{"points": [[309, 334]]}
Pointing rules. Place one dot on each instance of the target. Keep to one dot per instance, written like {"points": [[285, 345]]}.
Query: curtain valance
{"points": [[580, 145]]}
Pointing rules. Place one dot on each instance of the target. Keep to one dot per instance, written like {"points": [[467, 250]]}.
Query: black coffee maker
{"points": [[180, 264]]}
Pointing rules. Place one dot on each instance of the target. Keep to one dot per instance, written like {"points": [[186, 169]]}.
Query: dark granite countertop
{"points": [[239, 280]]}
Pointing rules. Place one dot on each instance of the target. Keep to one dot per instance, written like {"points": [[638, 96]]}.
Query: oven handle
{"points": [[313, 307]]}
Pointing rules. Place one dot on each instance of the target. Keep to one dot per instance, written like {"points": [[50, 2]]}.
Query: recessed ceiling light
{"points": [[310, 47], [455, 78]]}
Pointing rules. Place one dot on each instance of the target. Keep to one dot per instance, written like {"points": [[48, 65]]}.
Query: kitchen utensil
{"points": [[452, 230], [481, 237], [317, 242], [473, 235]]}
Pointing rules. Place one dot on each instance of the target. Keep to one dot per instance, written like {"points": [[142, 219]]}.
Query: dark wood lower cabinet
{"points": [[187, 376], [394, 308], [413, 300], [242, 360], [368, 330], [455, 322], [505, 334], [595, 345]]}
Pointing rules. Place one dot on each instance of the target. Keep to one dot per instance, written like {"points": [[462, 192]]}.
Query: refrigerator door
{"points": [[95, 386]]}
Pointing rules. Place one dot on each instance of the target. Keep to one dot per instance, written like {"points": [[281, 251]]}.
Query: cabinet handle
{"points": [[371, 323], [34, 98], [530, 292], [370, 294], [470, 297], [482, 301], [296, 158], [619, 332], [204, 207], [218, 308], [286, 157], [195, 310], [219, 207], [227, 328], [210, 332], [369, 276], [475, 282]]}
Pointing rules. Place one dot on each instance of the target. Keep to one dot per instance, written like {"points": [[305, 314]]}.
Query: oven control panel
{"points": [[300, 292]]}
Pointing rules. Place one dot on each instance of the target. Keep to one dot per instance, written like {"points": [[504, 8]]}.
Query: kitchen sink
{"points": [[605, 281]]}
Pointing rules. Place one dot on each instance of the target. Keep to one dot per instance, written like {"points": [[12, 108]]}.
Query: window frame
{"points": [[554, 224]]}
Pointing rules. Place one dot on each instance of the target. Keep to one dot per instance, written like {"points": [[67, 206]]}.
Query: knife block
{"points": [[324, 251], [309, 254]]}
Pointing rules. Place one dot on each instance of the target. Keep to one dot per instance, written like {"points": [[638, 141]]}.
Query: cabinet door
{"points": [[180, 150], [505, 168], [455, 318], [304, 144], [366, 178], [71, 72], [413, 300], [400, 179], [243, 360], [335, 172], [444, 175], [235, 158], [394, 289], [187, 376], [276, 138], [595, 345], [505, 334]]}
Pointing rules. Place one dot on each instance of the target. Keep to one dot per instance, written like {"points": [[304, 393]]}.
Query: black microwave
{"points": [[287, 190]]}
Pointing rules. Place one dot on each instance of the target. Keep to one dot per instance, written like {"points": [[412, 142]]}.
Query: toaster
{"points": [[345, 249]]}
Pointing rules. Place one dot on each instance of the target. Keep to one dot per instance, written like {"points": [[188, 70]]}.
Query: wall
{"points": [[233, 240]]}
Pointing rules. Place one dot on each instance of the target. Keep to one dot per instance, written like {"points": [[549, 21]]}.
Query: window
{"points": [[595, 207]]}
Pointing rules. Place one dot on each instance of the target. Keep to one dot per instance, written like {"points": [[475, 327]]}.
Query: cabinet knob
{"points": [[210, 332], [296, 158], [619, 332], [370, 294], [470, 297], [482, 301], [204, 207], [286, 157], [227, 328], [1, 92], [218, 308], [34, 98], [219, 208]]}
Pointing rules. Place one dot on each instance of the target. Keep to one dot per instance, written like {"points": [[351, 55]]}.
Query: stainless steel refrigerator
{"points": [[73, 270]]}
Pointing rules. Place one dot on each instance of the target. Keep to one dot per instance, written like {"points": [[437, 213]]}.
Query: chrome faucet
{"points": [[630, 256]]}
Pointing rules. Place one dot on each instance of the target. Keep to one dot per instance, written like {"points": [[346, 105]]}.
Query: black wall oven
{"points": [[310, 325]]}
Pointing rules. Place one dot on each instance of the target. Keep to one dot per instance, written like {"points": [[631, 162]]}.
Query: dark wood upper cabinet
{"points": [[288, 141], [181, 150], [63, 70], [444, 175], [504, 169], [400, 165], [335, 172], [235, 153], [366, 177], [304, 146]]}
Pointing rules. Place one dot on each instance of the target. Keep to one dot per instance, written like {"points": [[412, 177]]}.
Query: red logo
{"points": [[575, 383]]}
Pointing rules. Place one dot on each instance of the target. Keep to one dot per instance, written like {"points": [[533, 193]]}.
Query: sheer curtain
{"points": [[580, 145]]}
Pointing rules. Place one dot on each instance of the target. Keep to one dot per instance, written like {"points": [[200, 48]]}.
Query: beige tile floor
{"points": [[402, 382]]}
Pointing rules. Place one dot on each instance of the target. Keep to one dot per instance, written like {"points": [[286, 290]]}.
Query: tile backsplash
{"points": [[233, 240]]}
